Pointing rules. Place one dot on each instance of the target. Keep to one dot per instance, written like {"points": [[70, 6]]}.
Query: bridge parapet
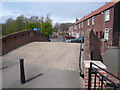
{"points": [[15, 40]]}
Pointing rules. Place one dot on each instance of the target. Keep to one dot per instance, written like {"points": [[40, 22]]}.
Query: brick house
{"points": [[105, 22]]}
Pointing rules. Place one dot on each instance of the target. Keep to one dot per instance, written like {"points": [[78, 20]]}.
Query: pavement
{"points": [[111, 59], [47, 65]]}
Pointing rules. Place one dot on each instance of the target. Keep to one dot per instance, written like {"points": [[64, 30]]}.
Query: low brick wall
{"points": [[15, 40], [86, 74]]}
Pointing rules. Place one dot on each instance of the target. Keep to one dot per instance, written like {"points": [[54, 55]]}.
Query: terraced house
{"points": [[105, 22]]}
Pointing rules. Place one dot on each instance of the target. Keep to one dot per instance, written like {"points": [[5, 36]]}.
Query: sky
{"points": [[59, 11]]}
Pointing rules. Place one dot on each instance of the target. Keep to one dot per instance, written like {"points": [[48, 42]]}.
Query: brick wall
{"points": [[92, 45], [86, 74], [12, 41], [99, 25]]}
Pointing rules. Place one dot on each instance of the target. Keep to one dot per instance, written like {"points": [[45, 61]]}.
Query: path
{"points": [[47, 65]]}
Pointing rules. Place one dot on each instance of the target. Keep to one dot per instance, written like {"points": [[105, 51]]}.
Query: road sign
{"points": [[36, 29]]}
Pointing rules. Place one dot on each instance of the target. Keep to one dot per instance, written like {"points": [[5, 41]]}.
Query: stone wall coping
{"points": [[99, 63]]}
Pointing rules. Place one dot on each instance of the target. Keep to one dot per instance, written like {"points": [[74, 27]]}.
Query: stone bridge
{"points": [[47, 64]]}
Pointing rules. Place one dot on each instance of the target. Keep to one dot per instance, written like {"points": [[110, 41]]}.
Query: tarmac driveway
{"points": [[47, 65]]}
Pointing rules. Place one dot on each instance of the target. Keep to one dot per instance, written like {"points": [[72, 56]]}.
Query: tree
{"points": [[48, 19], [56, 27], [65, 26], [30, 26], [47, 28], [62, 26], [34, 19], [11, 28], [23, 23], [21, 20]]}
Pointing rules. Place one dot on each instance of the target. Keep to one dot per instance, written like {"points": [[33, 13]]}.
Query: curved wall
{"points": [[12, 41]]}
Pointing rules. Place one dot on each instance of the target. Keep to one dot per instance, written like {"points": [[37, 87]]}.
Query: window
{"points": [[82, 24], [70, 28], [93, 20], [75, 27], [97, 34], [88, 22], [101, 35], [79, 25], [106, 34], [107, 15]]}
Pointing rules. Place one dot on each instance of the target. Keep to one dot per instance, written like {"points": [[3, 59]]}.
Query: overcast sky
{"points": [[59, 11]]}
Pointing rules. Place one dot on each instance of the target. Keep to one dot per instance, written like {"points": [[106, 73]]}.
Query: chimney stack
{"points": [[76, 19]]}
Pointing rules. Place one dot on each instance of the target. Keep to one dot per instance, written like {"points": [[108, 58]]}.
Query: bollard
{"points": [[22, 73]]}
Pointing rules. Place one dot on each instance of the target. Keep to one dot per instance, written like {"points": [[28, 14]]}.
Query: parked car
{"points": [[68, 37], [69, 40], [54, 36], [77, 40]]}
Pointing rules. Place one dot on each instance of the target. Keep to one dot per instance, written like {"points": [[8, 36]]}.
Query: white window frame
{"points": [[70, 28], [82, 24], [88, 22], [75, 27], [93, 20], [106, 34], [107, 15], [79, 25]]}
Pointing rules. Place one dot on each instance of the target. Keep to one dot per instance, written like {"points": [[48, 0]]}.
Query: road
{"points": [[47, 65], [59, 39]]}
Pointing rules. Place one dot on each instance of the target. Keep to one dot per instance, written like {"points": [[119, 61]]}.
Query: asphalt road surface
{"points": [[47, 65]]}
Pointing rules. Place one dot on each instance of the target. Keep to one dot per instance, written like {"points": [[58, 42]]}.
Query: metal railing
{"points": [[80, 59], [102, 78]]}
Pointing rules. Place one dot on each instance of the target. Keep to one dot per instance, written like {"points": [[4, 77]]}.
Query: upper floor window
{"points": [[75, 27], [79, 25], [107, 15], [88, 22], [82, 24], [70, 28], [93, 20]]}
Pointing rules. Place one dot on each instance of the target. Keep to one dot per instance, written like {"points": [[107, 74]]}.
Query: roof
{"points": [[106, 6]]}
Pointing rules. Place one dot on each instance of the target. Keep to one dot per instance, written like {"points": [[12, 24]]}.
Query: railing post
{"points": [[95, 81], [102, 83], [22, 73], [89, 77], [80, 55]]}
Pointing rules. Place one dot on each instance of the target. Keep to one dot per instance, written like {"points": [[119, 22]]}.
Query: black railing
{"points": [[102, 78], [80, 58]]}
